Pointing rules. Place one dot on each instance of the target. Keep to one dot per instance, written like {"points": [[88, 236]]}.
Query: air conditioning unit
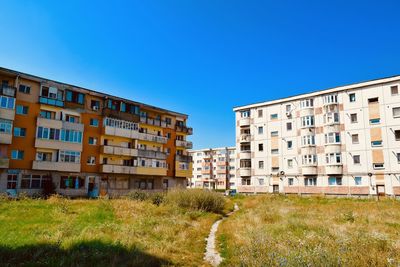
{"points": [[95, 107]]}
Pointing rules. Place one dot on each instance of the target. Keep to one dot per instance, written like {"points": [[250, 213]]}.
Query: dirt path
{"points": [[211, 255]]}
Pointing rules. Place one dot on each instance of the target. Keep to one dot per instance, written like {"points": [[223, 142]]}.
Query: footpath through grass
{"points": [[292, 231], [120, 232]]}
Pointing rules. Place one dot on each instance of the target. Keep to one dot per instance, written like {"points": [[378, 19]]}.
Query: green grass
{"points": [[119, 232], [292, 231]]}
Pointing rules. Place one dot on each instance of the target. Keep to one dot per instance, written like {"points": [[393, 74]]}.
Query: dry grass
{"points": [[293, 231], [120, 232]]}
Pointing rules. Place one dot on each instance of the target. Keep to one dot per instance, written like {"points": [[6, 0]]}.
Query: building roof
{"points": [[320, 92], [211, 149], [41, 79]]}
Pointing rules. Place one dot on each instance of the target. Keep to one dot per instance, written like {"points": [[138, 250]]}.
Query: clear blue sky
{"points": [[202, 57]]}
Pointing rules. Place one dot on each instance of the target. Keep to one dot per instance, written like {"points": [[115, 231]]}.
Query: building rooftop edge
{"points": [[318, 92], [211, 148], [90, 90]]}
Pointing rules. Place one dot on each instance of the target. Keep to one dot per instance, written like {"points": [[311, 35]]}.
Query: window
{"points": [[24, 89], [274, 151], [19, 132], [335, 181], [261, 164], [311, 181], [288, 108], [75, 97], [396, 112], [331, 118], [290, 181], [358, 180], [353, 118], [72, 182], [260, 113], [333, 158], [44, 156], [397, 135], [51, 115], [330, 99], [274, 133], [378, 166], [260, 147], [12, 181], [95, 104], [91, 160], [394, 90], [260, 130], [274, 116], [246, 181], [373, 100], [376, 143], [289, 126], [308, 140], [290, 163], [245, 114], [70, 156], [274, 169], [375, 121], [92, 141], [356, 159], [307, 103], [245, 163], [332, 138], [7, 102], [289, 144], [34, 181], [5, 126], [21, 110], [94, 122], [309, 159], [17, 154], [354, 139], [352, 97], [307, 121]]}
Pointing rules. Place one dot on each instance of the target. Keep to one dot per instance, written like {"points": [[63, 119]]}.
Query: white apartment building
{"points": [[213, 168], [339, 141]]}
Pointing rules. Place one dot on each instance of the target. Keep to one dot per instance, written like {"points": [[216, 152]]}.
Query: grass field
{"points": [[292, 231], [61, 232]]}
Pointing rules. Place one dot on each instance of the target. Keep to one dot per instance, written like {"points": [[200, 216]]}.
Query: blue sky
{"points": [[203, 57]]}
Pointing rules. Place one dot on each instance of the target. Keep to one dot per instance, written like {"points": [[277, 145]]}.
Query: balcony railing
{"points": [[51, 101], [184, 158], [155, 122], [185, 144], [117, 150], [151, 154], [56, 166], [184, 129], [8, 90], [152, 138]]}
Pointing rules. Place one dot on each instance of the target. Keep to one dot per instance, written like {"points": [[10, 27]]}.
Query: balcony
{"points": [[245, 172], [309, 111], [183, 170], [8, 90], [244, 138], [152, 138], [7, 114], [5, 138], [153, 122], [184, 129], [333, 169], [119, 151], [222, 171], [51, 101], [245, 155], [309, 170], [126, 116], [158, 171], [55, 144], [309, 150], [58, 124], [4, 163], [120, 128], [185, 144], [120, 169], [244, 122], [151, 154], [184, 158], [56, 166], [333, 148]]}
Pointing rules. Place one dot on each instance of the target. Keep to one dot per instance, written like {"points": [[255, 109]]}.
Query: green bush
{"points": [[197, 199], [157, 198], [138, 195]]}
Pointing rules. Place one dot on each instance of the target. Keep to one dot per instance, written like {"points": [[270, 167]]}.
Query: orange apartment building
{"points": [[86, 143]]}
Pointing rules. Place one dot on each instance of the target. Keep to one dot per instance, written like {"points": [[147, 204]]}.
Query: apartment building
{"points": [[339, 141], [86, 143], [213, 168]]}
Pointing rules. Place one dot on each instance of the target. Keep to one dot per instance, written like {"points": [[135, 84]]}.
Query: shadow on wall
{"points": [[92, 253]]}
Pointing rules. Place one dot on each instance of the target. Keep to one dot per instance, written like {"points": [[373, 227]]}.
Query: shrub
{"points": [[157, 198], [197, 199], [138, 195]]}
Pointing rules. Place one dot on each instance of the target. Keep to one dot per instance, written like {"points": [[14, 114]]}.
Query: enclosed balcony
{"points": [[56, 166], [153, 122], [151, 154], [185, 144], [184, 158], [119, 151], [245, 138], [245, 154], [8, 90], [333, 169], [51, 101], [120, 169], [120, 128], [59, 124], [244, 122], [7, 114], [152, 138], [245, 172], [309, 169]]}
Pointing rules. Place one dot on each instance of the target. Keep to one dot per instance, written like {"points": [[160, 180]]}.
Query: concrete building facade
{"points": [[339, 141], [213, 168], [85, 142]]}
